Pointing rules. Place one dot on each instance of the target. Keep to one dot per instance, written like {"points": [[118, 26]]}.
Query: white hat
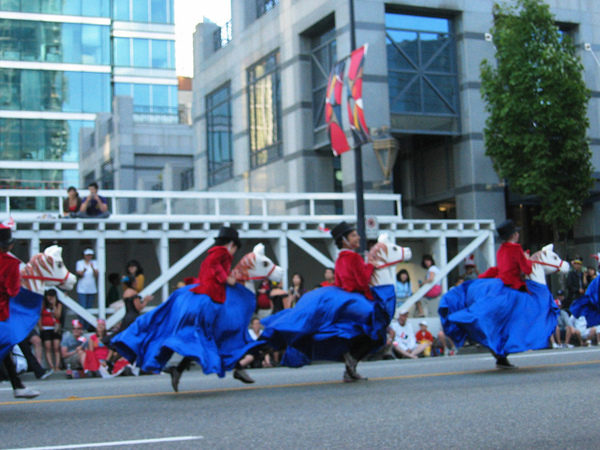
{"points": [[88, 251], [423, 322], [402, 312]]}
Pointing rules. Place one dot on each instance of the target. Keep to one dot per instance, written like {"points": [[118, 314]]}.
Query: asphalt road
{"points": [[551, 401]]}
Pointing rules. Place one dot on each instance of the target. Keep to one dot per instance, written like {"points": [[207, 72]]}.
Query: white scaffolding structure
{"points": [[162, 216]]}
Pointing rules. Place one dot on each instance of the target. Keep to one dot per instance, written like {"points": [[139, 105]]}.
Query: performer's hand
{"points": [[231, 280]]}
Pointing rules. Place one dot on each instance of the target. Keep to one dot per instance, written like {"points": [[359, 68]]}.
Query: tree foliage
{"points": [[537, 102]]}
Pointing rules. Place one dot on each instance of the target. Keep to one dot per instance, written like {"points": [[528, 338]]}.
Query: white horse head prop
{"points": [[45, 270], [385, 255], [546, 262], [256, 266]]}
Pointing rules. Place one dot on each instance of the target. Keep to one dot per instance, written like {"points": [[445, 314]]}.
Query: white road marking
{"points": [[114, 443]]}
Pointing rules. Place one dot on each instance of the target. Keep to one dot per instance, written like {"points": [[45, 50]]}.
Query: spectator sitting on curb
{"points": [[405, 342]]}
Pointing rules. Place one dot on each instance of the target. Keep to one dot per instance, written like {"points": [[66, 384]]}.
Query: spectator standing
{"points": [[133, 302], [471, 272], [428, 264], [296, 291], [588, 276], [329, 277], [263, 300], [403, 335], [50, 325], [277, 296], [73, 346], [94, 206], [134, 268], [575, 288], [87, 273], [114, 279], [71, 204]]}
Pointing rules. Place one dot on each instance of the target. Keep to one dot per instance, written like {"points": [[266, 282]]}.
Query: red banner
{"points": [[356, 115], [333, 110]]}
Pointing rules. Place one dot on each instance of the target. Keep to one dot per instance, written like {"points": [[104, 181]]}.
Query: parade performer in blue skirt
{"points": [[501, 310], [588, 305], [341, 323], [206, 323], [25, 314]]}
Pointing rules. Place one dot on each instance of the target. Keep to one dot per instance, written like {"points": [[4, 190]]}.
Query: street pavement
{"points": [[551, 401]]}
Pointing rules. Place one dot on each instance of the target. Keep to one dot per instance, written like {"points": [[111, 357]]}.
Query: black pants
{"points": [[11, 371], [32, 362]]}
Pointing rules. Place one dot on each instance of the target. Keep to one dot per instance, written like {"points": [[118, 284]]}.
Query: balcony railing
{"points": [[222, 36]]}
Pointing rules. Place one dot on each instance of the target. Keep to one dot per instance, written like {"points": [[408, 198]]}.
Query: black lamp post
{"points": [[360, 201]]}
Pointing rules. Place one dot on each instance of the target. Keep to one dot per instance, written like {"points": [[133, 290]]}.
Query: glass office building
{"points": [[61, 62]]}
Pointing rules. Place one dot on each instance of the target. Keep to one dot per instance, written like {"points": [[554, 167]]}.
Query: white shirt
{"points": [[405, 335], [86, 283], [435, 270]]}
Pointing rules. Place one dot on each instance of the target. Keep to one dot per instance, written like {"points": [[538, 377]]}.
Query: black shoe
{"points": [[503, 363], [350, 364], [175, 377], [242, 375], [351, 379]]}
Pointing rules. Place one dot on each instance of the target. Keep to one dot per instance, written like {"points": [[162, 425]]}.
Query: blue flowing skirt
{"points": [[587, 305], [24, 312], [326, 320], [498, 317], [212, 334]]}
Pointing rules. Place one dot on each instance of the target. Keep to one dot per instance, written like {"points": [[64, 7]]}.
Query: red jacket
{"points": [[213, 274], [512, 264], [352, 274], [10, 281]]}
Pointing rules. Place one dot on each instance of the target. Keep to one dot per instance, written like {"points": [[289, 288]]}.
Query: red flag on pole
{"points": [[356, 115], [333, 110]]}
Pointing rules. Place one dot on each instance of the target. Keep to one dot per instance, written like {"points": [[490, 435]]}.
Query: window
{"points": [[423, 78], [264, 6], [96, 8], [154, 11], [187, 179], [323, 58], [48, 90], [218, 133], [264, 102], [151, 53], [107, 177], [26, 40]]}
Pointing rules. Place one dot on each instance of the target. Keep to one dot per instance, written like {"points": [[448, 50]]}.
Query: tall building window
{"points": [[151, 53], [27, 40], [264, 6], [154, 11], [218, 132], [264, 101], [323, 58], [423, 79], [49, 90], [95, 8]]}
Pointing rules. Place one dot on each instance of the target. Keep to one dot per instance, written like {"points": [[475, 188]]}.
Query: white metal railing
{"points": [[198, 203]]}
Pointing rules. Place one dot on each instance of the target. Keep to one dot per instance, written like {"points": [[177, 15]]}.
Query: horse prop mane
{"points": [[256, 266], [385, 255], [546, 262], [45, 270]]}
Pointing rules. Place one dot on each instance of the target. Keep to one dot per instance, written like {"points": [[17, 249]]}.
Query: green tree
{"points": [[537, 104]]}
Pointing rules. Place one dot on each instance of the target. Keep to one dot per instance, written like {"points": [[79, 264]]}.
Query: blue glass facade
{"points": [[89, 8], [40, 140], [62, 97], [56, 42]]}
